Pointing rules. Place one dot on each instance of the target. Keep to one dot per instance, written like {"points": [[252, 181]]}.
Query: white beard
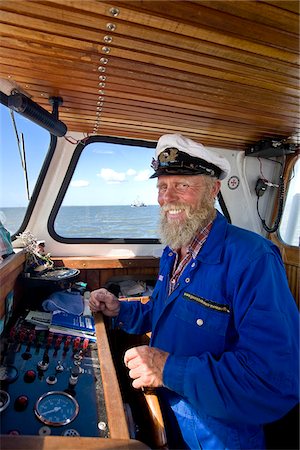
{"points": [[178, 234]]}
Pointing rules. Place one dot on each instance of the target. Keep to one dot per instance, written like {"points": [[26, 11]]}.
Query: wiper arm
{"points": [[22, 152]]}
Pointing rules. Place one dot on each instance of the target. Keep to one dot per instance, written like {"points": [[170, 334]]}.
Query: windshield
{"points": [[23, 147]]}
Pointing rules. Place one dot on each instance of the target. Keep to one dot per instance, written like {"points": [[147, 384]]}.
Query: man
{"points": [[224, 343]]}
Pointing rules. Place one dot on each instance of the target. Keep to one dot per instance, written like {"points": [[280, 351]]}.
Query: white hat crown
{"points": [[194, 158]]}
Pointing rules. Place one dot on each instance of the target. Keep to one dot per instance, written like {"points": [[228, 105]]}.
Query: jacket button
{"points": [[199, 322], [193, 265], [170, 254], [187, 280]]}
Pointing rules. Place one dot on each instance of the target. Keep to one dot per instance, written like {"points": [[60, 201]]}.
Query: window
{"points": [[289, 229], [110, 195], [14, 198]]}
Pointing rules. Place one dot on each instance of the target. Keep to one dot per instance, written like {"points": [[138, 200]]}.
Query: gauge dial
{"points": [[4, 400], [56, 408], [8, 373]]}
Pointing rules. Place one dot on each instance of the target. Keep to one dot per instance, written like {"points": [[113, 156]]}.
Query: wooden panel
{"points": [[10, 269], [68, 443], [293, 276], [159, 432], [113, 401], [225, 73]]}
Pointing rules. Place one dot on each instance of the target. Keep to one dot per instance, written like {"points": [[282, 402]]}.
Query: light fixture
{"points": [[28, 108]]}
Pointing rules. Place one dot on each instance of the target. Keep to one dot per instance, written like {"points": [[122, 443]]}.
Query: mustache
{"points": [[171, 206]]}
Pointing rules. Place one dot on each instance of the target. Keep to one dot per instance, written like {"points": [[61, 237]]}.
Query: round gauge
{"points": [[8, 373], [56, 408], [4, 400]]}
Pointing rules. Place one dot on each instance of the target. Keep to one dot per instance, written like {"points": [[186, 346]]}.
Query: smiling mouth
{"points": [[176, 214], [173, 212]]}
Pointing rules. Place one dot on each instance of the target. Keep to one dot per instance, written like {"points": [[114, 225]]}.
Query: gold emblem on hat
{"points": [[168, 155]]}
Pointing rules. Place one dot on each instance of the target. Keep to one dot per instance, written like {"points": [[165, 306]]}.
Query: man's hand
{"points": [[104, 301], [146, 365]]}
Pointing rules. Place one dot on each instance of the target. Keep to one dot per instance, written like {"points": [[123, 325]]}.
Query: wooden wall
{"points": [[10, 269], [96, 272]]}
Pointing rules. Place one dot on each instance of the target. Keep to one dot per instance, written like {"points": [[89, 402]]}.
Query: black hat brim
{"points": [[180, 171]]}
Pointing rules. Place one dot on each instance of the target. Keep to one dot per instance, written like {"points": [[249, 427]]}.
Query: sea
{"points": [[94, 221]]}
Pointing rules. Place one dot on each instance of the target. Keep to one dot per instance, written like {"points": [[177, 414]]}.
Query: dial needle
{"points": [[55, 409]]}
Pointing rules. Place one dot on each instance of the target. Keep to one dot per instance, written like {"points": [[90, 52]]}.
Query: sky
{"points": [[105, 175], [110, 174]]}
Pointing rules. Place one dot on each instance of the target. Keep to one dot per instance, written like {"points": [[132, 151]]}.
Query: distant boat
{"points": [[137, 204]]}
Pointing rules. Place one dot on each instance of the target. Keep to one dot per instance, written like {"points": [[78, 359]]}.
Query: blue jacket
{"points": [[231, 327]]}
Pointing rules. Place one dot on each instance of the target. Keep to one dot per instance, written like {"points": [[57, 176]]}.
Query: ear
{"points": [[216, 188]]}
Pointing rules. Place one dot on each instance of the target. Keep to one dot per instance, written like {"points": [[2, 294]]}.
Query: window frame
{"points": [[287, 179]]}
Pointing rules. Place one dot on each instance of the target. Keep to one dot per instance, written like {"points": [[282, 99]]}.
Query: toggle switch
{"points": [[74, 376]]}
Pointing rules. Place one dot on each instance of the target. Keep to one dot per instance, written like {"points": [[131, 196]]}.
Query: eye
{"points": [[182, 187], [162, 188]]}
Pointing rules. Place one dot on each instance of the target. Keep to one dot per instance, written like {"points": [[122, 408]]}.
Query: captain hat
{"points": [[178, 155]]}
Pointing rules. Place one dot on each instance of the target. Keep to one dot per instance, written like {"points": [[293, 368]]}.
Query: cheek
{"points": [[160, 199], [191, 200]]}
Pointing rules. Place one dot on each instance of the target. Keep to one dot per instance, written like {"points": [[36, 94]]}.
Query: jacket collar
{"points": [[212, 249]]}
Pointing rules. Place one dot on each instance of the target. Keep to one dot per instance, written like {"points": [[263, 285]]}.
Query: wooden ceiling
{"points": [[225, 73]]}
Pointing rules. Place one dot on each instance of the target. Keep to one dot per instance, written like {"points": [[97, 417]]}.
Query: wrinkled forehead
{"points": [[173, 179]]}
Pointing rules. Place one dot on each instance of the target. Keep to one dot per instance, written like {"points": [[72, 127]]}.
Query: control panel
{"points": [[50, 384]]}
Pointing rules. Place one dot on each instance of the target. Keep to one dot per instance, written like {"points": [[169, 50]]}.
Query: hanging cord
{"points": [[280, 204], [76, 141]]}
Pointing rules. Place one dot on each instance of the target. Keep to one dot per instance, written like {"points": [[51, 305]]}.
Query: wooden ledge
{"points": [[117, 423], [101, 262], [67, 443], [12, 262], [10, 269]]}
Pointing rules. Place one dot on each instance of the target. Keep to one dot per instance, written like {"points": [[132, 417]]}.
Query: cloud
{"points": [[79, 183], [103, 151], [142, 175], [131, 172], [111, 176]]}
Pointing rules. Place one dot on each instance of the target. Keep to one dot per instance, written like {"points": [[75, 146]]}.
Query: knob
{"points": [[44, 364], [29, 376], [76, 344], [59, 367], [26, 355], [31, 337], [58, 341], [21, 403], [22, 336], [46, 358], [49, 340], [74, 376], [85, 344], [51, 379]]}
